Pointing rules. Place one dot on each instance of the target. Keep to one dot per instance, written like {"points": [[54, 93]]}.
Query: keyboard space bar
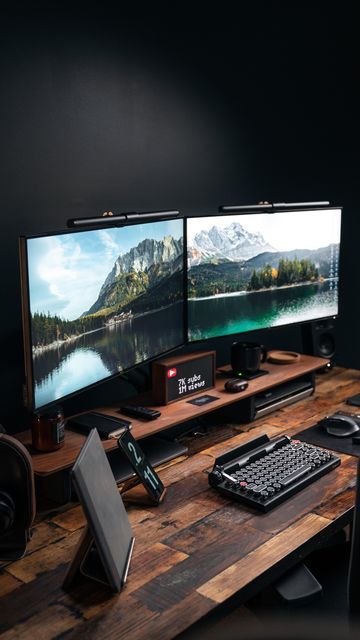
{"points": [[295, 475]]}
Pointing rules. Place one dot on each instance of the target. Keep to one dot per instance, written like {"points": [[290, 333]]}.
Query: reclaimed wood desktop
{"points": [[195, 552]]}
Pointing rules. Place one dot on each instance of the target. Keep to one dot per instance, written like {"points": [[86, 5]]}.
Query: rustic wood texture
{"points": [[194, 551], [8, 584], [262, 558]]}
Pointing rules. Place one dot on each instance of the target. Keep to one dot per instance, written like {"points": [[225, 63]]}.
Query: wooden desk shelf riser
{"points": [[46, 464]]}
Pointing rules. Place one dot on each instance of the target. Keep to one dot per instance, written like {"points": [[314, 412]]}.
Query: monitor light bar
{"points": [[111, 219], [269, 207]]}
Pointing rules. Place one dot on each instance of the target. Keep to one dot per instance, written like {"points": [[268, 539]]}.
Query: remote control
{"points": [[144, 413]]}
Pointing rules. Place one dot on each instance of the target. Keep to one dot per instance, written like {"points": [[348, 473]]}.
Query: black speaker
{"points": [[318, 338]]}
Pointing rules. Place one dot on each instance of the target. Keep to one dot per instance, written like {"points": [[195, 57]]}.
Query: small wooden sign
{"points": [[178, 377]]}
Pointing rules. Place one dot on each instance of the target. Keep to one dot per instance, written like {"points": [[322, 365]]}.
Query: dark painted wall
{"points": [[101, 110]]}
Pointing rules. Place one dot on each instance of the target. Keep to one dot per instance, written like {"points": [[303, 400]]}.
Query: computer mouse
{"points": [[235, 385], [340, 426]]}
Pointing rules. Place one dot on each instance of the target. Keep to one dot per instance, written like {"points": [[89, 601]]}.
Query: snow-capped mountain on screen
{"points": [[231, 243]]}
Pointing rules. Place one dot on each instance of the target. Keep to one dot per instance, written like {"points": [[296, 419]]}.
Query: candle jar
{"points": [[48, 430]]}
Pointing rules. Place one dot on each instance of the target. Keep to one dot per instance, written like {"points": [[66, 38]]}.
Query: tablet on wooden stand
{"points": [[105, 550]]}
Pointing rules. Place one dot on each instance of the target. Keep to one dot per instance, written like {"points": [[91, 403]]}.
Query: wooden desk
{"points": [[194, 552]]}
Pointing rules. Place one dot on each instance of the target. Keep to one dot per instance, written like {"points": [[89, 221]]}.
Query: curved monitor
{"points": [[99, 302], [255, 271]]}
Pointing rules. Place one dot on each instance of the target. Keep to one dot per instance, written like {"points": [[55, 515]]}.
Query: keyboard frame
{"points": [[251, 452]]}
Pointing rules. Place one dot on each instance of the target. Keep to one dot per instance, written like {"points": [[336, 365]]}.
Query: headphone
{"points": [[7, 507], [7, 512], [17, 497]]}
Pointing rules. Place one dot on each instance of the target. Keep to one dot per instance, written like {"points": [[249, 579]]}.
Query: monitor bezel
{"points": [[297, 323], [28, 387]]}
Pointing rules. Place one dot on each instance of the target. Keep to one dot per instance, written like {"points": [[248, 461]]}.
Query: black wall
{"points": [[101, 110]]}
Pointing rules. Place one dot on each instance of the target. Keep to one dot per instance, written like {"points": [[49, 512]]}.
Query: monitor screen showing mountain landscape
{"points": [[100, 302], [255, 271]]}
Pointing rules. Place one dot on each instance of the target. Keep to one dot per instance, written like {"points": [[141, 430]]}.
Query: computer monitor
{"points": [[261, 270], [97, 303]]}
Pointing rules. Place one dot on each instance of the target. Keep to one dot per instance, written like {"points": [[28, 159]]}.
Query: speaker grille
{"points": [[318, 338], [326, 344]]}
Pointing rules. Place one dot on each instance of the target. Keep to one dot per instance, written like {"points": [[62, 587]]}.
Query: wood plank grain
{"points": [[341, 393], [296, 414], [111, 626], [337, 396], [158, 529], [206, 561], [213, 498], [214, 527], [75, 519], [44, 534], [31, 599], [196, 463], [323, 375], [45, 559], [264, 557], [154, 561], [336, 507], [176, 619], [8, 584], [144, 566], [306, 424], [123, 617], [39, 625], [343, 379], [92, 600], [181, 491], [70, 520]]}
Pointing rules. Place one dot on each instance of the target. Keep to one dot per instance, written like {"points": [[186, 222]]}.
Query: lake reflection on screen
{"points": [[226, 315], [103, 353]]}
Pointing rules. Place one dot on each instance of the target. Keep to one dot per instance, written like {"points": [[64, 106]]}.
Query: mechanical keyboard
{"points": [[263, 473]]}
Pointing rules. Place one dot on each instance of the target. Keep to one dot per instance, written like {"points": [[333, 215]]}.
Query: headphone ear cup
{"points": [[7, 512]]}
